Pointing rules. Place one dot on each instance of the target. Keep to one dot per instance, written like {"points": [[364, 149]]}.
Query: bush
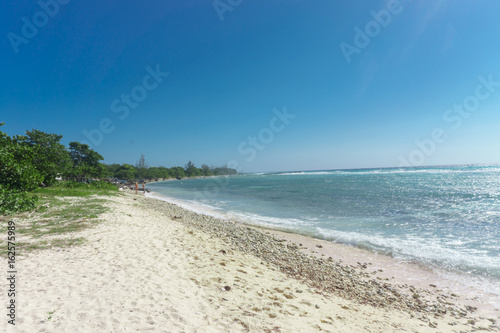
{"points": [[11, 202], [101, 185], [71, 184], [17, 170]]}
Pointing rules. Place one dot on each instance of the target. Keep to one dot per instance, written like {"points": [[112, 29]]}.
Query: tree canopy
{"points": [[142, 170], [86, 162], [18, 174], [50, 157], [38, 159]]}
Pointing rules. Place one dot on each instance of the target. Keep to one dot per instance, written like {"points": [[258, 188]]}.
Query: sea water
{"points": [[444, 217]]}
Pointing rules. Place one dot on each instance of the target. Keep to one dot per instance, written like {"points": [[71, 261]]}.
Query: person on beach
{"points": [[144, 187], [136, 187]]}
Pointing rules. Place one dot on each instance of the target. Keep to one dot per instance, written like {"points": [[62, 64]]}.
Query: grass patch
{"points": [[61, 212], [50, 192], [23, 247]]}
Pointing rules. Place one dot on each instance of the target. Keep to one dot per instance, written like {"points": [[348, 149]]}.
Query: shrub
{"points": [[101, 185], [11, 202]]}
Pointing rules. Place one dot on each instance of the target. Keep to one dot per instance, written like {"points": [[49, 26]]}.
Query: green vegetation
{"points": [[37, 159], [49, 157], [50, 313], [18, 175], [143, 171], [64, 209], [31, 167], [85, 162]]}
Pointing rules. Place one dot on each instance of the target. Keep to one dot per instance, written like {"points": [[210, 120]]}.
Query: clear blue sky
{"points": [[365, 80]]}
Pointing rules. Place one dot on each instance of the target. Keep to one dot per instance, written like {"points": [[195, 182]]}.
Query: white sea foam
{"points": [[194, 206], [431, 170], [291, 224], [442, 260], [424, 249], [307, 173], [243, 217]]}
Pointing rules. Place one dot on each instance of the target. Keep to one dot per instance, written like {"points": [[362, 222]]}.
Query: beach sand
{"points": [[152, 266]]}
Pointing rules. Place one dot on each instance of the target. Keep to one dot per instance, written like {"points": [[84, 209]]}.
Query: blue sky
{"points": [[364, 83]]}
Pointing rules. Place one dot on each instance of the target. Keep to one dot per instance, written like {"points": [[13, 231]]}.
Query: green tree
{"points": [[205, 170], [125, 172], [177, 172], [224, 171], [50, 157], [17, 175], [164, 172], [112, 168], [141, 166], [16, 165], [85, 161], [153, 173], [191, 170]]}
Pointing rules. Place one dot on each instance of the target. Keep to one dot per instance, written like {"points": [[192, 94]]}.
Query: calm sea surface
{"points": [[446, 217]]}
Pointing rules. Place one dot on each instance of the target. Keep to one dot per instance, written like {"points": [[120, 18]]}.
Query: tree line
{"points": [[38, 159], [141, 170]]}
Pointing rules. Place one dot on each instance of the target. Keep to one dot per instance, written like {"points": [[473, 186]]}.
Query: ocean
{"points": [[447, 218]]}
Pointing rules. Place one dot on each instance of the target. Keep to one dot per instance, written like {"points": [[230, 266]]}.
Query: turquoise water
{"points": [[443, 216]]}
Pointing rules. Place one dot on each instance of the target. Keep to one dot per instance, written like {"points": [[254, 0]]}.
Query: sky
{"points": [[258, 85]]}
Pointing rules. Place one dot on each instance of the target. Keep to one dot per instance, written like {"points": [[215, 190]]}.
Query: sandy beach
{"points": [[153, 266]]}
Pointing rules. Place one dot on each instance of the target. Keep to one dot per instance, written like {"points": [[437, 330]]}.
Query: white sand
{"points": [[140, 271]]}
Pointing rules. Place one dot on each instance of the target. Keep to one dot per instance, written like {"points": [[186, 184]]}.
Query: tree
{"points": [[164, 172], [18, 175], [205, 170], [154, 173], [112, 168], [224, 171], [85, 161], [177, 172], [191, 170], [141, 167], [16, 165], [50, 157], [125, 172]]}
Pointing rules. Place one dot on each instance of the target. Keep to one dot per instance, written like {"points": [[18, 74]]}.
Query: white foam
{"points": [[307, 173], [268, 221], [291, 224], [435, 170], [424, 249], [191, 205]]}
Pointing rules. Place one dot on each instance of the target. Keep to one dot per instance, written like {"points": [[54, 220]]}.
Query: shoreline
{"points": [[152, 265], [428, 289], [396, 271]]}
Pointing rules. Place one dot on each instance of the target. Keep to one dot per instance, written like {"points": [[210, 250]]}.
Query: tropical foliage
{"points": [[38, 159], [143, 171]]}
